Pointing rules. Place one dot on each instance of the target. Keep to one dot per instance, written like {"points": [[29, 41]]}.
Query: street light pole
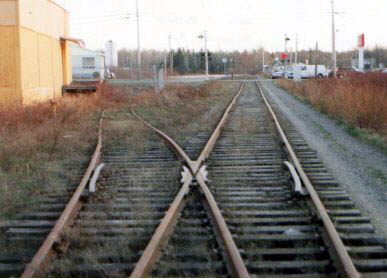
{"points": [[334, 56], [206, 50], [204, 36], [263, 59], [296, 58], [138, 43], [171, 55], [286, 48]]}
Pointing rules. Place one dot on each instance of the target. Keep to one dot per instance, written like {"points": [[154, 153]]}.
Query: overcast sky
{"points": [[231, 24]]}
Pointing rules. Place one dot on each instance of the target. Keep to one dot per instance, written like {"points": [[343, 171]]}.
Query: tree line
{"points": [[187, 61]]}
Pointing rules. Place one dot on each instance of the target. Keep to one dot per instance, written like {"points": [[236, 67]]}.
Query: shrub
{"points": [[39, 142], [358, 100]]}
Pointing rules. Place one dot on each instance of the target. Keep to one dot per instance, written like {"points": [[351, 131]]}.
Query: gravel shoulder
{"points": [[357, 166]]}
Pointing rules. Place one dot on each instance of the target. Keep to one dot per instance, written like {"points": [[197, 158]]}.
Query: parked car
{"points": [[277, 74], [289, 73]]}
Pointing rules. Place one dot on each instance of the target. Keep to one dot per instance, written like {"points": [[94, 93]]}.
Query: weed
{"points": [[39, 143], [360, 101]]}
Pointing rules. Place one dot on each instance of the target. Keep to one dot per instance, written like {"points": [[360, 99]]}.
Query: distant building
{"points": [[87, 64], [111, 55], [35, 59], [370, 64]]}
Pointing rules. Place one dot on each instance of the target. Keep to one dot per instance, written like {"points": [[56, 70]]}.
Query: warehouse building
{"points": [[35, 55]]}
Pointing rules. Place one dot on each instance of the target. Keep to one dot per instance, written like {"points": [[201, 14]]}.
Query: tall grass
{"points": [[42, 146], [358, 100], [39, 142]]}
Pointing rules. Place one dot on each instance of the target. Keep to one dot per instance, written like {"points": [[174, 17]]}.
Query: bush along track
{"points": [[358, 101]]}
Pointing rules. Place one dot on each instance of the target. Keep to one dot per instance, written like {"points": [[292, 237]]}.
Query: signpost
{"points": [[224, 60], [284, 56], [361, 44]]}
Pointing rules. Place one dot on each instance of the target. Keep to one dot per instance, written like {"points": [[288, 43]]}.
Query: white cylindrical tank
{"points": [[111, 54]]}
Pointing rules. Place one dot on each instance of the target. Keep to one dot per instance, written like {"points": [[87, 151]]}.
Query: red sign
{"points": [[283, 56], [361, 41]]}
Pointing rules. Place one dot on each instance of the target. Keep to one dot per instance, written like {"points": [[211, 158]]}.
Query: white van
{"points": [[308, 71]]}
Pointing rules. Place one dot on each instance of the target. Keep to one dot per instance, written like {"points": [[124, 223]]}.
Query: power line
{"points": [[105, 20], [103, 16]]}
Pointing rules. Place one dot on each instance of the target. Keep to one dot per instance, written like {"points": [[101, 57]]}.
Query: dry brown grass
{"points": [[358, 100], [37, 146], [38, 143], [181, 111]]}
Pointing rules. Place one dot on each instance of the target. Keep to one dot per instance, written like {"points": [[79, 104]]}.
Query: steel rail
{"points": [[238, 266], [171, 142], [340, 249], [152, 251], [215, 135], [53, 242]]}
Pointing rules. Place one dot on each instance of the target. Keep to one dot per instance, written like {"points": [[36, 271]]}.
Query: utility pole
{"points": [[334, 57], [206, 50], [316, 60], [138, 43], [201, 36], [263, 59], [131, 68], [165, 65], [171, 55], [296, 56]]}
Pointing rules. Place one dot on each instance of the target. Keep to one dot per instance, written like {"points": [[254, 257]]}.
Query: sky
{"points": [[231, 24]]}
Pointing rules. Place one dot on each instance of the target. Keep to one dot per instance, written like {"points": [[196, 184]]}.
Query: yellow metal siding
{"points": [[34, 63], [30, 61], [66, 66], [41, 66], [45, 17], [9, 64], [8, 12], [56, 59]]}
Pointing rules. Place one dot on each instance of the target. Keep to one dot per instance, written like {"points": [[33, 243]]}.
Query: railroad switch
{"points": [[186, 173]]}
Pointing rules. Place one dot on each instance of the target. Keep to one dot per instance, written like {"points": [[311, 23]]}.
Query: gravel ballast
{"points": [[357, 166]]}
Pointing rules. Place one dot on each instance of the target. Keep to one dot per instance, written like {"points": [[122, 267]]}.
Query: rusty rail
{"points": [[53, 244], [165, 229], [345, 262]]}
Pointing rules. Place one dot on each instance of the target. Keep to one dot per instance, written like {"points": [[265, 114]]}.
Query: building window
{"points": [[88, 62]]}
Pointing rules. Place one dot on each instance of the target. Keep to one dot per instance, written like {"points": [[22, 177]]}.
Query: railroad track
{"points": [[246, 220]]}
